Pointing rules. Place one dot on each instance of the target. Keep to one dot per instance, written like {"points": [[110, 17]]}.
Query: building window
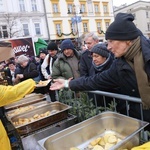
{"points": [[98, 26], [1, 6], [90, 7], [3, 32], [83, 10], [85, 27], [107, 24], [105, 9], [34, 5], [25, 29], [58, 28], [147, 15], [73, 28], [37, 29], [21, 5], [148, 26], [70, 8], [55, 8], [96, 8]]}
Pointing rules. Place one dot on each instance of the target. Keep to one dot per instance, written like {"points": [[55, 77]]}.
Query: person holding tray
{"points": [[8, 95]]}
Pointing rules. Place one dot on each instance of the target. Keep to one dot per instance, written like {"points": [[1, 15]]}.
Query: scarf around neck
{"points": [[104, 65], [134, 57]]}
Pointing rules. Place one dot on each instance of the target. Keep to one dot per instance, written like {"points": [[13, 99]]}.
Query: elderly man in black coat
{"points": [[130, 71]]}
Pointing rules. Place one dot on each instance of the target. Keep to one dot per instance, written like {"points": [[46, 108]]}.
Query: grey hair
{"points": [[93, 35], [22, 59]]}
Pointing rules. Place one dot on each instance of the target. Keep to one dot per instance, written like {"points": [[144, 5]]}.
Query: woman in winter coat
{"points": [[101, 59], [130, 70], [67, 64], [10, 94], [26, 69]]}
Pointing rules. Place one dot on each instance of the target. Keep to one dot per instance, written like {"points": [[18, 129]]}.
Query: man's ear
{"points": [[129, 42]]}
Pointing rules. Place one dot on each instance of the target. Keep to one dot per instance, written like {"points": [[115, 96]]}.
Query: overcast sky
{"points": [[120, 2]]}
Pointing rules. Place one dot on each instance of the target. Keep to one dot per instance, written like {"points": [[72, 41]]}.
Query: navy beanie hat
{"points": [[52, 46], [101, 50], [43, 50], [122, 28], [67, 44]]}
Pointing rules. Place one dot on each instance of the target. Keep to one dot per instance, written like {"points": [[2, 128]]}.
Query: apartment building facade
{"points": [[73, 18], [54, 19], [141, 12], [22, 18]]}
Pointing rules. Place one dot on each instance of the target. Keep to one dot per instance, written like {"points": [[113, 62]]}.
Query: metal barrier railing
{"points": [[83, 106], [115, 96], [76, 99]]}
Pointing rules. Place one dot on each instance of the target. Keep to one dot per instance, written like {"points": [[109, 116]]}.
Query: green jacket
{"points": [[62, 69]]}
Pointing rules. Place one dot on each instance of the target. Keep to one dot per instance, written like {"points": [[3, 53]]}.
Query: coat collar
{"points": [[145, 46]]}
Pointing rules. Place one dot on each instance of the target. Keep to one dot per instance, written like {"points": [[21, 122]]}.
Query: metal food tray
{"points": [[60, 114], [25, 101], [36, 105], [31, 94], [80, 135]]}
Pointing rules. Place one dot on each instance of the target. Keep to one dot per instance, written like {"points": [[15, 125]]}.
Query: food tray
{"points": [[30, 95], [43, 83], [25, 101], [61, 112], [80, 135], [11, 113]]}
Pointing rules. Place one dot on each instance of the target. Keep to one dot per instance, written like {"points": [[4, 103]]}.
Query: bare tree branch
{"points": [[11, 22]]}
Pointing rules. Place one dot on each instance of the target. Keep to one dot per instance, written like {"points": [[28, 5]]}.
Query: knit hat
{"points": [[43, 50], [52, 46], [67, 44], [101, 50], [122, 28]]}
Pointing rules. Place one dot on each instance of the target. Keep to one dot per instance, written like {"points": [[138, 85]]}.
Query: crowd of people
{"points": [[120, 65], [57, 62], [130, 70], [51, 63]]}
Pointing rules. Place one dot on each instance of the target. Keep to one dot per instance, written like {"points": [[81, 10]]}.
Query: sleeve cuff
{"points": [[66, 84]]}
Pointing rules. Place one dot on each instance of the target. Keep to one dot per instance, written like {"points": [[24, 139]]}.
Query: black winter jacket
{"points": [[85, 63], [121, 75], [30, 71]]}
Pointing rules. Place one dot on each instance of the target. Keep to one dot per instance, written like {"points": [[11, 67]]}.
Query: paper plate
{"points": [[43, 83]]}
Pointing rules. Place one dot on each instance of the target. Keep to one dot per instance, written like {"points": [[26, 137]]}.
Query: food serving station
{"points": [[33, 118], [36, 124], [84, 135]]}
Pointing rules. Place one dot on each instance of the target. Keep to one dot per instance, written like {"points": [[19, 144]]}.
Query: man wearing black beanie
{"points": [[122, 28], [130, 70], [47, 65]]}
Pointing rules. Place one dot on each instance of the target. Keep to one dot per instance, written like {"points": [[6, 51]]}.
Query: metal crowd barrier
{"points": [[81, 110], [121, 97]]}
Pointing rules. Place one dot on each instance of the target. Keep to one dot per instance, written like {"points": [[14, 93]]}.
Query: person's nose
{"points": [[108, 47], [94, 59]]}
